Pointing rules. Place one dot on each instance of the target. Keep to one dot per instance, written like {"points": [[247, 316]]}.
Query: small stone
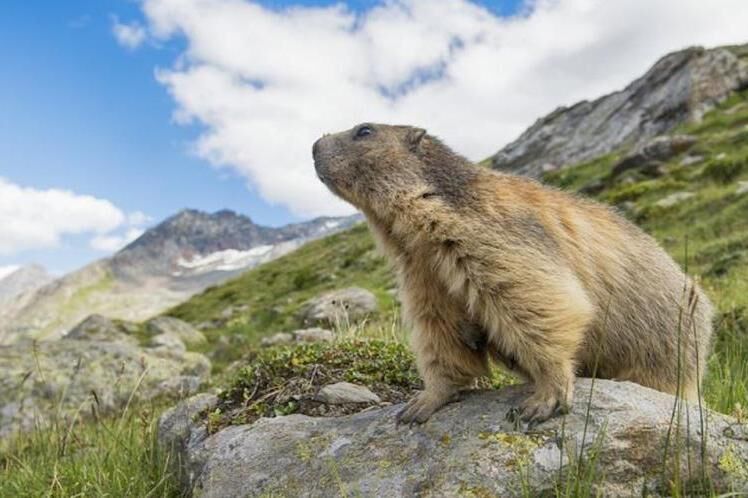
{"points": [[592, 188], [689, 160], [673, 199], [314, 335], [627, 207], [345, 392], [742, 188], [276, 339]]}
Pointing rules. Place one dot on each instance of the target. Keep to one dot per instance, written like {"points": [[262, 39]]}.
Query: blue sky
{"points": [[95, 134], [82, 113]]}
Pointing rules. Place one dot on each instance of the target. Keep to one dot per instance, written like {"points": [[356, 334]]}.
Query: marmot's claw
{"points": [[512, 415], [536, 410], [418, 410]]}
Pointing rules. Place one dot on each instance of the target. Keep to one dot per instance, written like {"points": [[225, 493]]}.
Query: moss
{"points": [[475, 491], [732, 465], [283, 380], [521, 445]]}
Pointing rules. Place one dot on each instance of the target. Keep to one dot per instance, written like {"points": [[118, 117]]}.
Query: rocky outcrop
{"points": [[680, 87], [468, 448], [98, 368], [304, 335], [649, 157], [339, 306]]}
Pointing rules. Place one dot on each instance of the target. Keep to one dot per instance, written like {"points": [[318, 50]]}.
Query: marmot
{"points": [[496, 265]]}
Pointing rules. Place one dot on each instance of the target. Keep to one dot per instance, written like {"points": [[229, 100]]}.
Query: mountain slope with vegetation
{"points": [[170, 262]]}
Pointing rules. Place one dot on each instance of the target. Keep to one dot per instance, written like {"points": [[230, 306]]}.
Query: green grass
{"points": [[113, 457]]}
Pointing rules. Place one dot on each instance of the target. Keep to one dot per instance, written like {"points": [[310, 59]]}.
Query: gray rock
{"points": [[594, 187], [742, 188], [345, 392], [627, 207], [673, 199], [168, 343], [100, 328], [649, 158], [277, 339], [680, 87], [88, 373], [339, 306], [188, 334], [689, 160], [314, 335], [468, 448]]}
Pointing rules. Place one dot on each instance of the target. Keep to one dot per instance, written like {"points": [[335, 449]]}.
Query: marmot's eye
{"points": [[364, 131]]}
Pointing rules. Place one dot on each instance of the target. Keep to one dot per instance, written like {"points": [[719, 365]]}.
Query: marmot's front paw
{"points": [[538, 408], [420, 408]]}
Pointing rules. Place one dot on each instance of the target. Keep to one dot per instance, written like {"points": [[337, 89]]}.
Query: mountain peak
{"points": [[24, 279]]}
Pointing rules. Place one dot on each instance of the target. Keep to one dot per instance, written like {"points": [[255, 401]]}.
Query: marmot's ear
{"points": [[414, 137]]}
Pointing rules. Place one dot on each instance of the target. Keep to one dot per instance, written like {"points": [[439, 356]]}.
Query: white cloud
{"points": [[138, 218], [113, 243], [38, 219], [130, 36], [7, 270], [266, 83]]}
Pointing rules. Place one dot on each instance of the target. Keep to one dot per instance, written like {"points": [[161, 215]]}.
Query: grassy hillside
{"points": [[268, 298]]}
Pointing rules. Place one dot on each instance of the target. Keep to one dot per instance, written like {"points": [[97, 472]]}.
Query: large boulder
{"points": [[621, 443], [167, 325], [100, 328], [338, 306], [96, 369]]}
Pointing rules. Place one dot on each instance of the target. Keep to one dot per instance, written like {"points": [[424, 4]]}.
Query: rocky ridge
{"points": [[679, 88]]}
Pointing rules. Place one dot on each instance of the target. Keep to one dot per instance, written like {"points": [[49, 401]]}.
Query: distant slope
{"points": [[166, 265], [25, 279], [266, 299], [679, 88]]}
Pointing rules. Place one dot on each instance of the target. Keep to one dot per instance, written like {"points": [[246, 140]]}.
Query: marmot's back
{"points": [[646, 307]]}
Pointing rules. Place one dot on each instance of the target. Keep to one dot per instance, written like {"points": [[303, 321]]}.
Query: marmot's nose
{"points": [[315, 148]]}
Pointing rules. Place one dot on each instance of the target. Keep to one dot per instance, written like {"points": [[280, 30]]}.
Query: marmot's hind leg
{"points": [[544, 338]]}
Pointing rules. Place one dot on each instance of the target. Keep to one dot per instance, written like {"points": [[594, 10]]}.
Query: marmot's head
{"points": [[374, 165]]}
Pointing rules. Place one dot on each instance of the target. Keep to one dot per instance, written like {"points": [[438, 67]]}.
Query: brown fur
{"points": [[500, 266]]}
